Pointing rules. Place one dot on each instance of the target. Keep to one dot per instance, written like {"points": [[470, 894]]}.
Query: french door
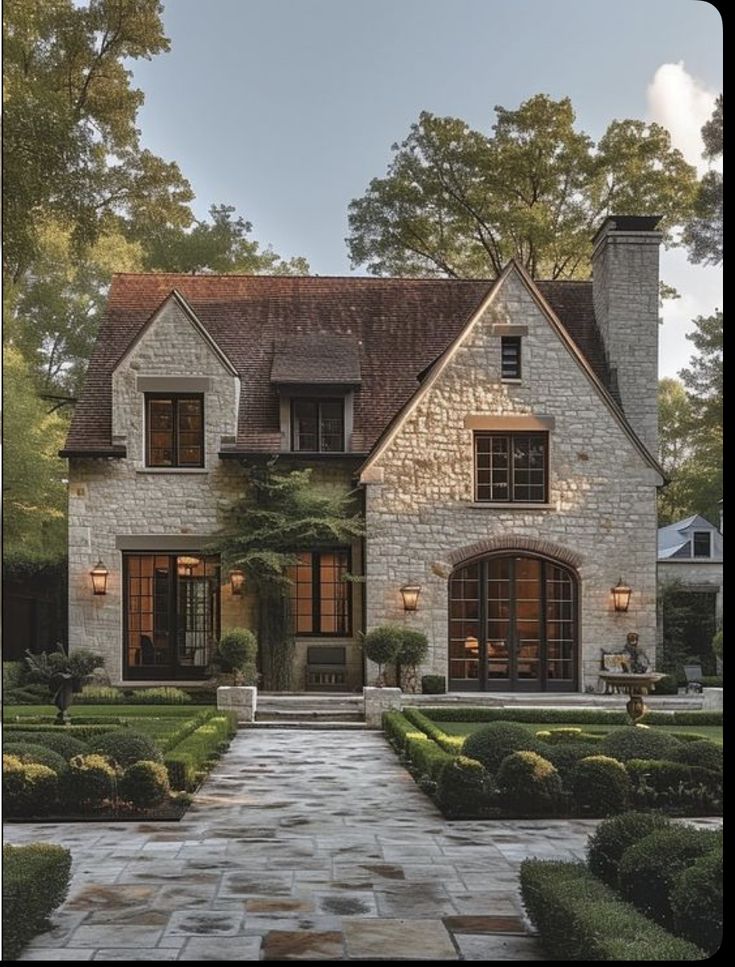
{"points": [[513, 625], [170, 615]]}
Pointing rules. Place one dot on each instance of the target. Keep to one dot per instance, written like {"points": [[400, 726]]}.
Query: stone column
{"points": [[242, 699], [379, 700]]}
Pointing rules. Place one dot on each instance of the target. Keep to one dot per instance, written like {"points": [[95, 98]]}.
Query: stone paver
{"points": [[300, 845]]}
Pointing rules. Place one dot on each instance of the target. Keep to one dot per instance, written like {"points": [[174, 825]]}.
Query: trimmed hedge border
{"points": [[35, 882], [426, 757], [584, 716], [578, 917], [187, 762], [450, 743], [82, 732]]}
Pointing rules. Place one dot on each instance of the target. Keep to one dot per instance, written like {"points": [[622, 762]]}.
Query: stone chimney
{"points": [[625, 292]]}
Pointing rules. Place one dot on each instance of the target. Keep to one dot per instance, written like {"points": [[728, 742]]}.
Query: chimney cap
{"points": [[628, 223]]}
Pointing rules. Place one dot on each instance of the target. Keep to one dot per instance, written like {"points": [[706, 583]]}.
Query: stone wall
{"points": [[113, 499], [421, 515]]}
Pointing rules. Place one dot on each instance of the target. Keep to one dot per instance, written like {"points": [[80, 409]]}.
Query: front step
{"points": [[307, 714], [310, 710], [312, 725]]}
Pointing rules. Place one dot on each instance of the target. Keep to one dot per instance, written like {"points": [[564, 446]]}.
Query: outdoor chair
{"points": [[694, 678]]}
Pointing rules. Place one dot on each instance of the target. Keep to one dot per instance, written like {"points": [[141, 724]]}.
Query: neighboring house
{"points": [[502, 434], [690, 557]]}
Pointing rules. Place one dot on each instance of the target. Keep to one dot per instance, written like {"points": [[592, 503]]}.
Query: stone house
{"points": [[501, 434]]}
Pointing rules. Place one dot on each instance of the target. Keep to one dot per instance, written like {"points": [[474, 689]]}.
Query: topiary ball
{"points": [[529, 784], [66, 745], [649, 869], [600, 785], [492, 743], [636, 742], [464, 788], [29, 752], [383, 643], [705, 754], [29, 789], [612, 837], [696, 902], [126, 747], [91, 781], [145, 784], [565, 755]]}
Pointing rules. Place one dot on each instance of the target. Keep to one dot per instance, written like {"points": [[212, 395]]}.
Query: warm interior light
{"points": [[410, 594], [99, 575], [186, 565], [621, 595], [237, 579]]}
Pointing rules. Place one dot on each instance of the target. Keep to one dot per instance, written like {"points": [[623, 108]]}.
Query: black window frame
{"points": [[695, 535], [316, 615], [511, 436], [175, 399], [506, 342], [317, 401]]}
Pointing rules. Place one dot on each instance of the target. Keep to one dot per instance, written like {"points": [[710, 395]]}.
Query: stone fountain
{"points": [[633, 678]]}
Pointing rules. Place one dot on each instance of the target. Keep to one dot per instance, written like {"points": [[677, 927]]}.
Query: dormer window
{"points": [[701, 544], [318, 425], [174, 430]]}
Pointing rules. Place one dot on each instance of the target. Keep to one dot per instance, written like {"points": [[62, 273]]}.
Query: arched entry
{"points": [[513, 624]]}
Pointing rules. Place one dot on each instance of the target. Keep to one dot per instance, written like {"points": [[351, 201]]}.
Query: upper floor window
{"points": [[320, 595], [174, 430], [511, 467], [701, 544], [318, 425], [510, 357]]}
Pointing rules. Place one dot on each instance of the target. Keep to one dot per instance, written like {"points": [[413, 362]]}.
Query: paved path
{"points": [[301, 845]]}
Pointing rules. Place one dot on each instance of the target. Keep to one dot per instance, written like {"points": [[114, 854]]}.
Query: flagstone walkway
{"points": [[301, 845]]}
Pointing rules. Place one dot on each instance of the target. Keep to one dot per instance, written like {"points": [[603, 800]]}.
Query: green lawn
{"points": [[712, 732], [158, 721]]}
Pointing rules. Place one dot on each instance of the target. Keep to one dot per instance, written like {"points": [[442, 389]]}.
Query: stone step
{"points": [[315, 725], [307, 714]]}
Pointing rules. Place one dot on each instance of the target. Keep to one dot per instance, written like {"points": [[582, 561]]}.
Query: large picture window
{"points": [[317, 426], [174, 431], [171, 614], [511, 467], [320, 595]]}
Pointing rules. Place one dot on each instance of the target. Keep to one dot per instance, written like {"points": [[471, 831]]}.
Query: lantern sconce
{"points": [[99, 574], [237, 579], [410, 594], [621, 595]]}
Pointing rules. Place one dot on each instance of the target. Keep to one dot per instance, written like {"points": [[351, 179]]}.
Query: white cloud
{"points": [[682, 104]]}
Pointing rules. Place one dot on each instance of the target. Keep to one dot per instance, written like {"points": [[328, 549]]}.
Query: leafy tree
{"points": [[278, 514], [703, 234], [220, 245], [456, 202], [34, 491], [675, 420]]}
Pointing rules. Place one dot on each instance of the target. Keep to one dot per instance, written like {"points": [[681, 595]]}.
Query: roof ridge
{"points": [[251, 275]]}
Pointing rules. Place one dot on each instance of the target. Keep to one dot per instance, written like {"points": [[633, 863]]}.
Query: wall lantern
{"points": [[237, 579], [621, 595], [410, 594], [186, 565], [99, 575]]}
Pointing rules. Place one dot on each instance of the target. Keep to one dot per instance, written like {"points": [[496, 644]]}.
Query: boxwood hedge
{"points": [[35, 882]]}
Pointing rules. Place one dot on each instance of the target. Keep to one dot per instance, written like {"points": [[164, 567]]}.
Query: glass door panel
{"points": [[498, 619], [464, 626]]}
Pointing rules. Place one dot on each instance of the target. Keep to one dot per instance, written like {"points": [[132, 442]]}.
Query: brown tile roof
{"points": [[399, 327], [317, 358]]}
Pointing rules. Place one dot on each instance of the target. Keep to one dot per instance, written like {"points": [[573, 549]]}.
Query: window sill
{"points": [[176, 470], [510, 505], [511, 379]]}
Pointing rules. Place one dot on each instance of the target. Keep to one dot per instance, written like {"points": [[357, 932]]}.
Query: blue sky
{"points": [[287, 108]]}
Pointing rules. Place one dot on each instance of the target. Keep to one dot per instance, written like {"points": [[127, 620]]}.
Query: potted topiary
{"points": [[381, 645], [411, 652], [237, 650]]}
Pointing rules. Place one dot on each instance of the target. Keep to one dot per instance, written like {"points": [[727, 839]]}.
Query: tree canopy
{"points": [[457, 202], [703, 233]]}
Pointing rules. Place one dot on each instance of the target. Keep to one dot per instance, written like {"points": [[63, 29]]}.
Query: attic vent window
{"points": [[701, 544], [510, 354]]}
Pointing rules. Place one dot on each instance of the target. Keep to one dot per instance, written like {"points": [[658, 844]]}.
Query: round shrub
{"points": [[636, 742], [382, 644], [90, 781], [145, 784], [29, 789], [649, 869], [528, 783], [126, 747], [492, 743], [66, 745], [612, 837], [600, 785], [705, 754], [29, 752], [696, 902], [464, 788], [565, 755], [238, 649]]}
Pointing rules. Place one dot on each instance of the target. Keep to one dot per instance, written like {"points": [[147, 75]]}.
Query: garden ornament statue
{"points": [[634, 678], [635, 660], [64, 684]]}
